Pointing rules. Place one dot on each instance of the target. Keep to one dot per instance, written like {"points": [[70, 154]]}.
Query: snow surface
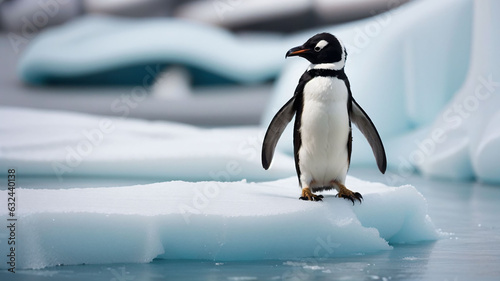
{"points": [[209, 220], [40, 142], [415, 71]]}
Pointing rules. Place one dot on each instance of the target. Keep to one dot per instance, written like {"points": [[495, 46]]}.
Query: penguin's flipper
{"points": [[274, 131], [365, 125]]}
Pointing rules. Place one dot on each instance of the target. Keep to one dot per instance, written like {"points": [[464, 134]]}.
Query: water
{"points": [[467, 211]]}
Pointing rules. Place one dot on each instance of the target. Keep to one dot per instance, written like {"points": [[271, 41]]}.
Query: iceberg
{"points": [[211, 220], [470, 146], [113, 50]]}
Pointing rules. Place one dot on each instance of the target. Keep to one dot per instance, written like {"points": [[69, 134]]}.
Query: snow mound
{"points": [[211, 221], [39, 142]]}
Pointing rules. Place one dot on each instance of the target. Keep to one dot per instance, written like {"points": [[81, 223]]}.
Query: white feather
{"points": [[332, 66], [324, 132]]}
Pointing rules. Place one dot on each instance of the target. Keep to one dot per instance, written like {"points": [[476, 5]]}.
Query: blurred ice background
{"points": [[433, 65], [114, 93], [24, 20]]}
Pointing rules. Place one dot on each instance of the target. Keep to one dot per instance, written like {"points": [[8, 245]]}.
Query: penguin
{"points": [[324, 109]]}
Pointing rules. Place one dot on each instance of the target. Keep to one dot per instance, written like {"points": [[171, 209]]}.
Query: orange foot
{"points": [[308, 195]]}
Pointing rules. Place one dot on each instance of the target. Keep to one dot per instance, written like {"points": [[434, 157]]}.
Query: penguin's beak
{"points": [[296, 51]]}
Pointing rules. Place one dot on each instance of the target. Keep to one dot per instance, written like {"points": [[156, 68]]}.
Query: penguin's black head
{"points": [[321, 48]]}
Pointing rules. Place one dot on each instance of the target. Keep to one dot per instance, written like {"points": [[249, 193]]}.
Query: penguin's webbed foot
{"points": [[347, 194], [308, 195]]}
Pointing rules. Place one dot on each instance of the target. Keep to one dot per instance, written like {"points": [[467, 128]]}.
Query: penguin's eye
{"points": [[317, 49]]}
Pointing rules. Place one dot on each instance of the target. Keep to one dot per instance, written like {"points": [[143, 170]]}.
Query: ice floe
{"points": [[220, 221]]}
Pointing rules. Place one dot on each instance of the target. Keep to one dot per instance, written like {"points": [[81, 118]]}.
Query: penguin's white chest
{"points": [[324, 129]]}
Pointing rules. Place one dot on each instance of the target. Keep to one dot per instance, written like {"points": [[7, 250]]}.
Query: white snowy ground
{"points": [[216, 217], [209, 220]]}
